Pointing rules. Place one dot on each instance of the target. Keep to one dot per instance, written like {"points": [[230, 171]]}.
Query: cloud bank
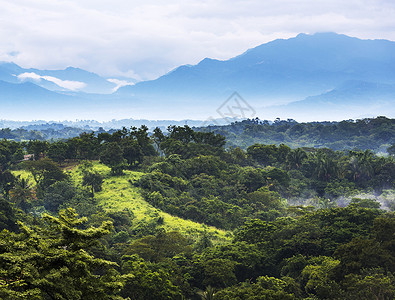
{"points": [[66, 84], [145, 39], [119, 83]]}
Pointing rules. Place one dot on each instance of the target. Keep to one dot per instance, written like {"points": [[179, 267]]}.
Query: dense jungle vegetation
{"points": [[375, 134], [130, 214]]}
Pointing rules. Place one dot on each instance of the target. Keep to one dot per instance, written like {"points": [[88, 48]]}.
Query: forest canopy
{"points": [[94, 216], [375, 134]]}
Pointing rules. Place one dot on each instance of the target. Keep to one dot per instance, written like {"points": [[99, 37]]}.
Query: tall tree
{"points": [[53, 262], [93, 180], [23, 194], [112, 156], [45, 173]]}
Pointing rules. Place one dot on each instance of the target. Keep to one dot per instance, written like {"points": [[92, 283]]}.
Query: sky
{"points": [[146, 39]]}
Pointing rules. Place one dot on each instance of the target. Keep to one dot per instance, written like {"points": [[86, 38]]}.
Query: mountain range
{"points": [[308, 77], [69, 79]]}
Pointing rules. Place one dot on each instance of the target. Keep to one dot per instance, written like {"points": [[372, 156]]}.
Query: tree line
{"points": [[375, 134]]}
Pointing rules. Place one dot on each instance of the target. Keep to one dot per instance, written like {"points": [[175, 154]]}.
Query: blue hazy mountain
{"points": [[282, 70], [324, 75], [27, 101], [352, 99], [69, 79]]}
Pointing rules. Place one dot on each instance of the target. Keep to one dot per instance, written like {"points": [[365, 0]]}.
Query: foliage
{"points": [[23, 194], [306, 223], [52, 262], [371, 133], [269, 288], [45, 173], [91, 178], [112, 156], [145, 283], [162, 245], [8, 216]]}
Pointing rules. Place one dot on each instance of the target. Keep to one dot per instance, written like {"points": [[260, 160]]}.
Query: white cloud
{"points": [[32, 75], [119, 83], [67, 84], [148, 38]]}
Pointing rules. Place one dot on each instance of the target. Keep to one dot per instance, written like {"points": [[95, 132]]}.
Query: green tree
{"points": [[263, 154], [7, 182], [58, 151], [363, 253], [253, 178], [208, 294], [266, 287], [112, 156], [53, 262], [93, 180], [219, 272], [10, 153], [23, 194], [295, 158], [85, 146], [373, 283], [158, 247], [325, 167], [59, 193], [318, 278], [45, 173], [142, 138], [158, 137], [203, 242], [143, 282], [133, 153], [361, 165], [8, 218], [37, 148], [255, 231]]}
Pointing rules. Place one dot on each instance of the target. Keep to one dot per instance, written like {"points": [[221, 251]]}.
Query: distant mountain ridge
{"points": [[324, 76], [69, 79], [282, 69], [362, 99], [96, 125]]}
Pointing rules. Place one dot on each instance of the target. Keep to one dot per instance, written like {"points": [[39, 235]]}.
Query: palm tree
{"points": [[208, 294], [23, 194], [296, 157], [354, 167], [325, 167], [361, 164], [366, 162]]}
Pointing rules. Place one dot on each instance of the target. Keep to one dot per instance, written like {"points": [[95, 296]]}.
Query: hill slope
{"points": [[118, 193]]}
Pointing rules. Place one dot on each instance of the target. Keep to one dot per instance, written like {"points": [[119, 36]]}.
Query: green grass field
{"points": [[119, 193]]}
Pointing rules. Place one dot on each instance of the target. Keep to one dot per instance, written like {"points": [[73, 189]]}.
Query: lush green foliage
{"points": [[306, 223], [375, 134], [51, 261], [22, 134]]}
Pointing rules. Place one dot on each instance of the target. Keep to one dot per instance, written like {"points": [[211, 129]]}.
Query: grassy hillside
{"points": [[119, 193]]}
